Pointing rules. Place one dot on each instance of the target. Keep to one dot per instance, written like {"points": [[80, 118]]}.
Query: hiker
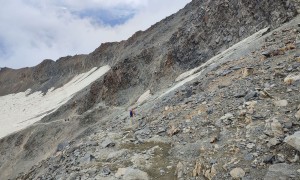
{"points": [[131, 113]]}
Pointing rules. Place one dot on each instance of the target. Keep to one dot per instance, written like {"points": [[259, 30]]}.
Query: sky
{"points": [[34, 30]]}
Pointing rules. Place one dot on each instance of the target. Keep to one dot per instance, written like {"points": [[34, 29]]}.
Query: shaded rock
{"points": [[247, 71], [273, 142], [105, 171], [251, 95], [282, 171], [294, 140], [237, 173], [107, 143], [240, 94], [173, 130], [269, 159], [62, 146]]}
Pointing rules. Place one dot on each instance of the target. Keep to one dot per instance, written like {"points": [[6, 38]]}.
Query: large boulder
{"points": [[282, 171], [294, 140]]}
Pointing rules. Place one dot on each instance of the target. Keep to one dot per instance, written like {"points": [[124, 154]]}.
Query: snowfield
{"points": [[23, 109]]}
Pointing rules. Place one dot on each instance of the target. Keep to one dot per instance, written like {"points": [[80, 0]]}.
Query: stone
{"points": [[131, 174], [143, 133], [282, 171], [197, 170], [293, 140], [179, 170], [250, 145], [267, 54], [87, 158], [268, 159], [173, 130], [211, 173], [274, 128], [226, 117], [273, 142], [280, 158], [292, 78], [105, 171], [107, 143], [248, 157], [297, 115], [237, 173], [134, 174], [251, 95], [116, 154], [247, 72], [120, 172], [281, 103], [62, 146]]}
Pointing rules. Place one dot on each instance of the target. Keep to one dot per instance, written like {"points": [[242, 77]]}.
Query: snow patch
{"points": [[144, 97], [23, 109]]}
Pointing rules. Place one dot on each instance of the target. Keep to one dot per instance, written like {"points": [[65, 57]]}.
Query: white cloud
{"points": [[33, 30]]}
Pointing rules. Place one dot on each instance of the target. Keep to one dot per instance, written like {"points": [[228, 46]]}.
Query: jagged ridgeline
{"points": [[90, 136]]}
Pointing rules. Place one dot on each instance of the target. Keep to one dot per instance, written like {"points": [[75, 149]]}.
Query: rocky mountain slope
{"points": [[232, 116]]}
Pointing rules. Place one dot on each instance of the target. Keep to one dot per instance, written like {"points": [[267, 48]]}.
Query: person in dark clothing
{"points": [[131, 113]]}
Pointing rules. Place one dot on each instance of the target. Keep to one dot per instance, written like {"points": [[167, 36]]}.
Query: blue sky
{"points": [[34, 30]]}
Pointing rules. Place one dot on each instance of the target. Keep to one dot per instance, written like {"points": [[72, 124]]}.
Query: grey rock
{"points": [[62, 146], [87, 159], [77, 152], [281, 103], [213, 161], [273, 142], [269, 159], [248, 157], [294, 140], [282, 171], [107, 143], [105, 171], [92, 143], [267, 53], [240, 94], [297, 115], [116, 154], [135, 174], [143, 133], [237, 173], [251, 95], [241, 31]]}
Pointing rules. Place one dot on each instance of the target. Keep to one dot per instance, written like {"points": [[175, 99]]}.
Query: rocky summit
{"points": [[215, 90]]}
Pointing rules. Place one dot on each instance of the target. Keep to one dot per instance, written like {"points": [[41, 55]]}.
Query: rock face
{"points": [[220, 114], [294, 140]]}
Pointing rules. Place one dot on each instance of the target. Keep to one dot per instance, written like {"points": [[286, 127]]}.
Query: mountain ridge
{"points": [[152, 60]]}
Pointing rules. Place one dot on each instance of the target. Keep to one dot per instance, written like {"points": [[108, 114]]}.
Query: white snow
{"points": [[23, 109], [144, 97]]}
